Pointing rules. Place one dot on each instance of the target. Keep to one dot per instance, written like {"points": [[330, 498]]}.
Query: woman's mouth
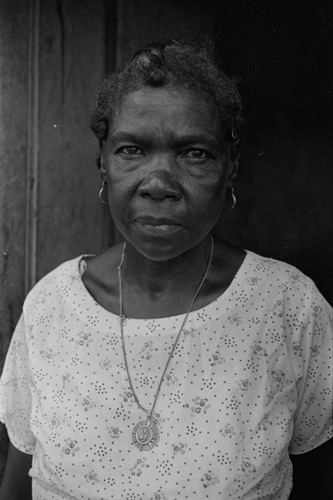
{"points": [[157, 227], [160, 228]]}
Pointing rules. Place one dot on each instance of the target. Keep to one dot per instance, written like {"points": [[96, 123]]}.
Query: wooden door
{"points": [[53, 55]]}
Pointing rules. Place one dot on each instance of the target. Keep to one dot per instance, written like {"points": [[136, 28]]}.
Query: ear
{"points": [[101, 166], [234, 155]]}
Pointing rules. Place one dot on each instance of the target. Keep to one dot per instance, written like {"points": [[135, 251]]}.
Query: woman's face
{"points": [[167, 168]]}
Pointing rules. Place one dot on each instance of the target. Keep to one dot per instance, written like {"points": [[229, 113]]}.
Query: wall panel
{"points": [[14, 103], [53, 55], [71, 65]]}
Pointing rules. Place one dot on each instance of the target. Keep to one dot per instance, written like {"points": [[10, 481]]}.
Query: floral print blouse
{"points": [[250, 382]]}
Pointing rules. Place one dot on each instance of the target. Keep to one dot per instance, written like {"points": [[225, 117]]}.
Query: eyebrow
{"points": [[126, 136], [177, 140]]}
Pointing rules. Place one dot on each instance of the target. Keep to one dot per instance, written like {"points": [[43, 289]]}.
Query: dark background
{"points": [[284, 58]]}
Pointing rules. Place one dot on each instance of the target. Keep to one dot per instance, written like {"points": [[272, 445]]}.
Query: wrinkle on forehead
{"points": [[189, 109]]}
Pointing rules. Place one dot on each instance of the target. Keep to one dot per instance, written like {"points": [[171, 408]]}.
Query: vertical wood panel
{"points": [[14, 57], [72, 64], [32, 147], [53, 55]]}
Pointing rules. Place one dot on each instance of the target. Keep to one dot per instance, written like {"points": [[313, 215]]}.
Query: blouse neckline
{"points": [[220, 299]]}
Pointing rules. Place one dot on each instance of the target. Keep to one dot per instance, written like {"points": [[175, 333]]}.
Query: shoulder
{"points": [[51, 285], [279, 284], [253, 272], [279, 274]]}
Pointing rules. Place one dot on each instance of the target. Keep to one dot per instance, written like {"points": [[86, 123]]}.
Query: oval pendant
{"points": [[146, 435]]}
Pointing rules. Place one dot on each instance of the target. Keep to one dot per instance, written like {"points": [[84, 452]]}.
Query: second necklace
{"points": [[146, 433]]}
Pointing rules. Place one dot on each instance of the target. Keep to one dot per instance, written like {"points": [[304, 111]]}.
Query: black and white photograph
{"points": [[166, 249]]}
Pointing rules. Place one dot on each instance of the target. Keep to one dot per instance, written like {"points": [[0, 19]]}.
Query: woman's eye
{"points": [[196, 154], [129, 151]]}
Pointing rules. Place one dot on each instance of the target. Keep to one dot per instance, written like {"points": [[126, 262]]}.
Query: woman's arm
{"points": [[16, 484]]}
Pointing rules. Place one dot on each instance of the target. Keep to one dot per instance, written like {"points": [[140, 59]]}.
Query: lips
{"points": [[157, 225], [156, 221]]}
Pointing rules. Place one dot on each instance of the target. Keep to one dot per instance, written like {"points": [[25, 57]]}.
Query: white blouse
{"points": [[250, 382]]}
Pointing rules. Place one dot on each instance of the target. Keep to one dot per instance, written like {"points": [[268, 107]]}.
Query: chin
{"points": [[163, 250], [160, 252]]}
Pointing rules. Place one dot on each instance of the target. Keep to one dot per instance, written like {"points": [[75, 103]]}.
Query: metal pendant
{"points": [[146, 434]]}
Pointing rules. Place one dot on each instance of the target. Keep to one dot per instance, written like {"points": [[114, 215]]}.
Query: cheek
{"points": [[119, 200], [121, 183], [211, 191]]}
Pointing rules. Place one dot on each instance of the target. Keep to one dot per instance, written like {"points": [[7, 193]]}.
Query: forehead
{"points": [[162, 108]]}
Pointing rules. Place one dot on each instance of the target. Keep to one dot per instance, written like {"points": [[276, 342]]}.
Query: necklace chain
{"points": [[122, 317]]}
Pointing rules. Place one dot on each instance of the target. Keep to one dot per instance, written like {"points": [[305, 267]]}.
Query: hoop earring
{"points": [[234, 199], [100, 194]]}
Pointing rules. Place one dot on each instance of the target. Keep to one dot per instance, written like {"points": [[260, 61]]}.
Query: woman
{"points": [[173, 365]]}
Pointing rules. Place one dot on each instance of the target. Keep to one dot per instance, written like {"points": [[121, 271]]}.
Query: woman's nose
{"points": [[161, 183], [157, 187]]}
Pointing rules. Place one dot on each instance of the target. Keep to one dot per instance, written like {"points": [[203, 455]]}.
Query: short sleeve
{"points": [[15, 392], [313, 418]]}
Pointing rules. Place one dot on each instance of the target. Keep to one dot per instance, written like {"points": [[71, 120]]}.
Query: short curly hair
{"points": [[177, 64]]}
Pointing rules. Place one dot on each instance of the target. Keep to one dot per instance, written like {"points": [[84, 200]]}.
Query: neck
{"points": [[158, 278]]}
